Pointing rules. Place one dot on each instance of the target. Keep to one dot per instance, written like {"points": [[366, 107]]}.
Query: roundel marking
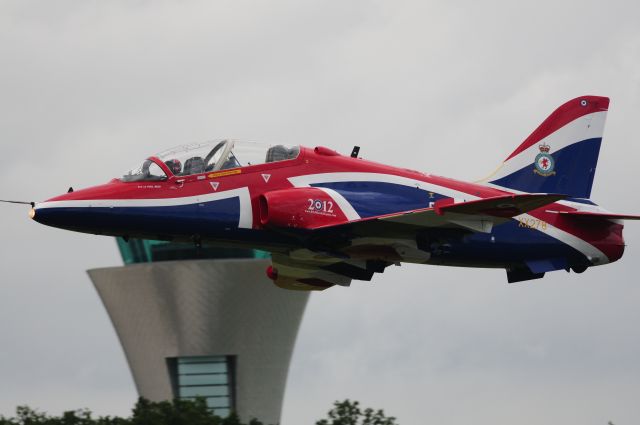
{"points": [[544, 164]]}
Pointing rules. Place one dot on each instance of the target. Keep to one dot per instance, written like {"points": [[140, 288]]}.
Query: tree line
{"points": [[188, 412]]}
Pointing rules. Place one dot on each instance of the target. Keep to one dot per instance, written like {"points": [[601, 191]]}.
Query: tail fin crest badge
{"points": [[544, 162]]}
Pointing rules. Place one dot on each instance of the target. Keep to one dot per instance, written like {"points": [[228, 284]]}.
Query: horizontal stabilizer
{"points": [[589, 214], [499, 206], [477, 215]]}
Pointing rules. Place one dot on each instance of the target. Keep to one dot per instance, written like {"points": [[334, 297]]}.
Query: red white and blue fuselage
{"points": [[329, 218]]}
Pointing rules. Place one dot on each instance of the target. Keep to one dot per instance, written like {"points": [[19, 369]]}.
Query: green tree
{"points": [[173, 412], [178, 412], [145, 412], [349, 413], [27, 416], [188, 412]]}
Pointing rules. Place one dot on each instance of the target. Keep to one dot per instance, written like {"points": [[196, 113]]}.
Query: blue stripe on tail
{"points": [[573, 171]]}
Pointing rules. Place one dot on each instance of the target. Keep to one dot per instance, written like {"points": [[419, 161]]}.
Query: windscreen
{"points": [[148, 171], [196, 158]]}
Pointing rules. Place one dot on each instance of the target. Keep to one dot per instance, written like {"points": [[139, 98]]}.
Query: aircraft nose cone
{"points": [[77, 219], [69, 210], [45, 215]]}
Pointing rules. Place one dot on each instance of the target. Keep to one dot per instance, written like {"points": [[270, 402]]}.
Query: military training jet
{"points": [[328, 218]]}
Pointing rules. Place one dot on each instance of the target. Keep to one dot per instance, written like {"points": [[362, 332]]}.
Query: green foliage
{"points": [[188, 412], [349, 413], [145, 412], [169, 413], [27, 416]]}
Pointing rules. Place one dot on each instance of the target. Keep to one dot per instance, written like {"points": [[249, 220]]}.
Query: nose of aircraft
{"points": [[57, 212], [70, 210]]}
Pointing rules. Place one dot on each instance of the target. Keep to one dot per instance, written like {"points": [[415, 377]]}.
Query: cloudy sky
{"points": [[89, 88]]}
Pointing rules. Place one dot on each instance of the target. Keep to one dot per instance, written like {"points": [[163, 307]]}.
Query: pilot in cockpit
{"points": [[175, 166]]}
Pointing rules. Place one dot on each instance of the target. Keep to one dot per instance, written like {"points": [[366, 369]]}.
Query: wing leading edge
{"points": [[478, 215]]}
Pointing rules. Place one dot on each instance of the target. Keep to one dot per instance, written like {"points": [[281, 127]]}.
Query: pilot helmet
{"points": [[174, 165]]}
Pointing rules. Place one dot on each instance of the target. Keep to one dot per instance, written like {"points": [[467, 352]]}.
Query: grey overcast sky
{"points": [[89, 88]]}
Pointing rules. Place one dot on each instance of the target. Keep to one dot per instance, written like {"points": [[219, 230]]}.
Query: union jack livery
{"points": [[328, 219]]}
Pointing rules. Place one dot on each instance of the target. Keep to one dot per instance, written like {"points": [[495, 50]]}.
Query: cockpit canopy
{"points": [[210, 156]]}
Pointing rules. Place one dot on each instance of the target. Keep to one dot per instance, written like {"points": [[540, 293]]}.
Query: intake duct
{"points": [[300, 207]]}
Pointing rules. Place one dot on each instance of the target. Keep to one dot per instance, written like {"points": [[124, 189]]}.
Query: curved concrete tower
{"points": [[213, 328]]}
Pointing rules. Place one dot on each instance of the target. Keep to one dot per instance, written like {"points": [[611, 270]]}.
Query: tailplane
{"points": [[561, 155]]}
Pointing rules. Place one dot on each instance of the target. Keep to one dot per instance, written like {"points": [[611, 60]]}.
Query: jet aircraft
{"points": [[328, 218]]}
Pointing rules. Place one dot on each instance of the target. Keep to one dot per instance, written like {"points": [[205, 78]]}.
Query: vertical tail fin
{"points": [[561, 155]]}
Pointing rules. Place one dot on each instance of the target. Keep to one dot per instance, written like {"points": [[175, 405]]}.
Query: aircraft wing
{"points": [[336, 254]]}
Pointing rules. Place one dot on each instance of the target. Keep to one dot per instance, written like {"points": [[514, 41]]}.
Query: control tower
{"points": [[203, 322]]}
